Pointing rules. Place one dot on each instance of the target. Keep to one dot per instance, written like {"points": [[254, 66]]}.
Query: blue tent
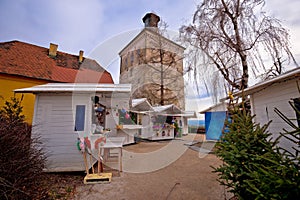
{"points": [[214, 123]]}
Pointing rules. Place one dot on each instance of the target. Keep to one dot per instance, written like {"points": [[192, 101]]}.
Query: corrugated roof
{"points": [[76, 87], [291, 74], [141, 105], [170, 109], [186, 114], [28, 60], [136, 102], [222, 106]]}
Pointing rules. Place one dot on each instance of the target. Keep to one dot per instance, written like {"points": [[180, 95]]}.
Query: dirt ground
{"points": [[188, 177]]}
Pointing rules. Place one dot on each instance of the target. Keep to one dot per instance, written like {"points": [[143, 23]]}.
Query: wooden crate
{"points": [[97, 178]]}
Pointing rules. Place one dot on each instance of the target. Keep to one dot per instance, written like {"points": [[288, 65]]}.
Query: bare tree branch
{"points": [[235, 38]]}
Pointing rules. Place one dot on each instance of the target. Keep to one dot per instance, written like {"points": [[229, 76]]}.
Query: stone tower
{"points": [[153, 64]]}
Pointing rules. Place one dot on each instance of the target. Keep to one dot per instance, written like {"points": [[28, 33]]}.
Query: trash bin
{"points": [[137, 139], [179, 134]]}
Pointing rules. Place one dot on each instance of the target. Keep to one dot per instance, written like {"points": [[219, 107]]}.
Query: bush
{"points": [[254, 167], [21, 161]]}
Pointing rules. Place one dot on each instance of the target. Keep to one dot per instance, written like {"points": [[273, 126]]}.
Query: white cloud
{"points": [[198, 105], [72, 24], [107, 52], [77, 24], [287, 12]]}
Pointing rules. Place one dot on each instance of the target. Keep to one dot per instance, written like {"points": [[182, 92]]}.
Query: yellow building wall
{"points": [[9, 83]]}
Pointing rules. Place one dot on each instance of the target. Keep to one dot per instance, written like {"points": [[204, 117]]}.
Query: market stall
{"points": [[141, 109], [160, 122], [65, 112], [165, 125]]}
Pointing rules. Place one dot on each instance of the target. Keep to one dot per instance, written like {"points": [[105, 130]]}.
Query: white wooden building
{"points": [[64, 112], [275, 93], [156, 121]]}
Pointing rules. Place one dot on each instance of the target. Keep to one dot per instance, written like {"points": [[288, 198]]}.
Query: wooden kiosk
{"points": [[65, 112]]}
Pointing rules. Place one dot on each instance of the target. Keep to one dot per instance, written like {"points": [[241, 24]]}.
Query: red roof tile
{"points": [[23, 59]]}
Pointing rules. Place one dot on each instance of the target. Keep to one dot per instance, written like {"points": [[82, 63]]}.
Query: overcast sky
{"points": [[103, 27]]}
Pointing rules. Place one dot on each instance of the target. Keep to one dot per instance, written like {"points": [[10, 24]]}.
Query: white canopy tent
{"points": [[141, 105], [149, 115]]}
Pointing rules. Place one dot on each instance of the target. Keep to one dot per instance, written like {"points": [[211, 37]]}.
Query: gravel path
{"points": [[187, 176]]}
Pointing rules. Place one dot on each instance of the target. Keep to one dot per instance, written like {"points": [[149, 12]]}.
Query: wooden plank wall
{"points": [[54, 122], [275, 96]]}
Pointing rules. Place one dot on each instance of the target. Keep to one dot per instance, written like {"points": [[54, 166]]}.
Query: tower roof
{"points": [[151, 20]]}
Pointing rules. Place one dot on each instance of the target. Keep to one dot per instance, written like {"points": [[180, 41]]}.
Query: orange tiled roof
{"points": [[28, 60]]}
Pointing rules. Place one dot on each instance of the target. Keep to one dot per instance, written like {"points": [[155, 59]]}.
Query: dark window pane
{"points": [[79, 119]]}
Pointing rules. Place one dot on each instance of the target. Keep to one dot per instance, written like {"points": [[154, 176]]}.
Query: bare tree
{"points": [[235, 36], [164, 60], [164, 75]]}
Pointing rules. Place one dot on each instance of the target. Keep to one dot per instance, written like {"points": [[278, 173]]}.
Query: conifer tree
{"points": [[254, 167]]}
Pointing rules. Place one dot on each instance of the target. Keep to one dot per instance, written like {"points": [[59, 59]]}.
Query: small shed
{"points": [[214, 120], [63, 112], [158, 121], [165, 122], [275, 93]]}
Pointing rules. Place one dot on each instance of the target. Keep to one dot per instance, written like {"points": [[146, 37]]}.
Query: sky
{"points": [[102, 28]]}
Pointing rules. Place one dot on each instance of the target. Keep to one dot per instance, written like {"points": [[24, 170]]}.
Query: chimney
{"points": [[151, 20], [53, 49], [80, 56]]}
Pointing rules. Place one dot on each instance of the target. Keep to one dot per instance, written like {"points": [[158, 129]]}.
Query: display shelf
{"points": [[132, 126], [128, 126], [163, 133]]}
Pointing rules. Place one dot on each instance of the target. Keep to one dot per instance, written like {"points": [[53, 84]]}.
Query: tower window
{"points": [[125, 62], [131, 71], [139, 56], [131, 58]]}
